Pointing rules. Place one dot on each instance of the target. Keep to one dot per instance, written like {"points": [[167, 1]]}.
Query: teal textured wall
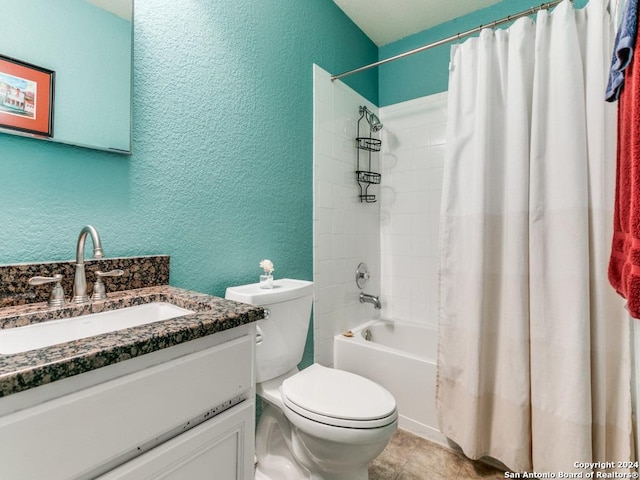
{"points": [[427, 72], [221, 171]]}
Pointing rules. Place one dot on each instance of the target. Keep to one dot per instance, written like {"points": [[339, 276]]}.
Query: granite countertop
{"points": [[22, 371]]}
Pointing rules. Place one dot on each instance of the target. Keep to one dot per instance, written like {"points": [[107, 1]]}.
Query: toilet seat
{"points": [[338, 398]]}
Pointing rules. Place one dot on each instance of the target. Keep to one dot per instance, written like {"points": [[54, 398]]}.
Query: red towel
{"points": [[624, 266]]}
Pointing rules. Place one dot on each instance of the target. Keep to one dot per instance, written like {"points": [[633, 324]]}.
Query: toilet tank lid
{"points": [[283, 289]]}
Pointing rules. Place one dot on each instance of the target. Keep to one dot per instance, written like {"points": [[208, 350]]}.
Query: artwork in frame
{"points": [[26, 97]]}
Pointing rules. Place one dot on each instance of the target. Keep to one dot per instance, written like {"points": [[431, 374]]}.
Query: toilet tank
{"points": [[281, 336]]}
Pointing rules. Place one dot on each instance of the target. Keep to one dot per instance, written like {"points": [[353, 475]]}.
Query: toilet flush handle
{"points": [[258, 335], [267, 314]]}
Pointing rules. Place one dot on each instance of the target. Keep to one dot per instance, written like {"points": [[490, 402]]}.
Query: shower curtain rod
{"points": [[453, 38]]}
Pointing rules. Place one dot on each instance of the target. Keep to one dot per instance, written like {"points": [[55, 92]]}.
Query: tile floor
{"points": [[409, 457]]}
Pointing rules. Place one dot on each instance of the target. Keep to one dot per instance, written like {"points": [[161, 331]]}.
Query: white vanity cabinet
{"points": [[216, 449], [141, 425]]}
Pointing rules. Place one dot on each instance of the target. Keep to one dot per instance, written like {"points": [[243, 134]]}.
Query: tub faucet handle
{"points": [[362, 275], [57, 292]]}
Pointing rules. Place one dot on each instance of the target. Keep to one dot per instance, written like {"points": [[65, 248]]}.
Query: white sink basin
{"points": [[30, 337]]}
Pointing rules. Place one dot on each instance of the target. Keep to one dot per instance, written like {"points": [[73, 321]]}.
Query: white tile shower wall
{"points": [[345, 231], [412, 162]]}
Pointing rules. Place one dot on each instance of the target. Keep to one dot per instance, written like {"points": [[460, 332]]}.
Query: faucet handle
{"points": [[362, 275], [42, 280], [99, 290], [57, 292], [112, 273]]}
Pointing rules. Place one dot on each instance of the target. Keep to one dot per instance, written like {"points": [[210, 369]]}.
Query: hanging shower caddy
{"points": [[364, 174]]}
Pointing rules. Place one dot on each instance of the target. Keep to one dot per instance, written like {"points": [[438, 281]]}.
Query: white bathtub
{"points": [[401, 357]]}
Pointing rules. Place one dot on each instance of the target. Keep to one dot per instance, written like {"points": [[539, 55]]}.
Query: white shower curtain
{"points": [[534, 357]]}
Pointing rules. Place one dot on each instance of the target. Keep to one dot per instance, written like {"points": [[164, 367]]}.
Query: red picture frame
{"points": [[26, 97]]}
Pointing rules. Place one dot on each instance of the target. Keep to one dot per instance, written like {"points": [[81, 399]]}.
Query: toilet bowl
{"points": [[319, 423], [330, 425]]}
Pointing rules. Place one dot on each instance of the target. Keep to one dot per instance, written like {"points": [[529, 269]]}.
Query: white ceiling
{"points": [[122, 8], [385, 21]]}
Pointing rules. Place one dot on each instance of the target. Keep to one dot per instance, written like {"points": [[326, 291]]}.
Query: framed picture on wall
{"points": [[26, 97]]}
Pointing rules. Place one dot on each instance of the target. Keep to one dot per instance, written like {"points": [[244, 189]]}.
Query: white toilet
{"points": [[319, 423]]}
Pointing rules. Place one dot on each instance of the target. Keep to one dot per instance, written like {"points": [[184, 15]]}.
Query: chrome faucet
{"points": [[80, 280], [374, 299]]}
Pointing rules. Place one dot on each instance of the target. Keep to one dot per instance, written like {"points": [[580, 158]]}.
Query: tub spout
{"points": [[374, 299]]}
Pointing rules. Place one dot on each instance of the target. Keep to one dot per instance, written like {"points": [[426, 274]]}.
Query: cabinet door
{"points": [[218, 449]]}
